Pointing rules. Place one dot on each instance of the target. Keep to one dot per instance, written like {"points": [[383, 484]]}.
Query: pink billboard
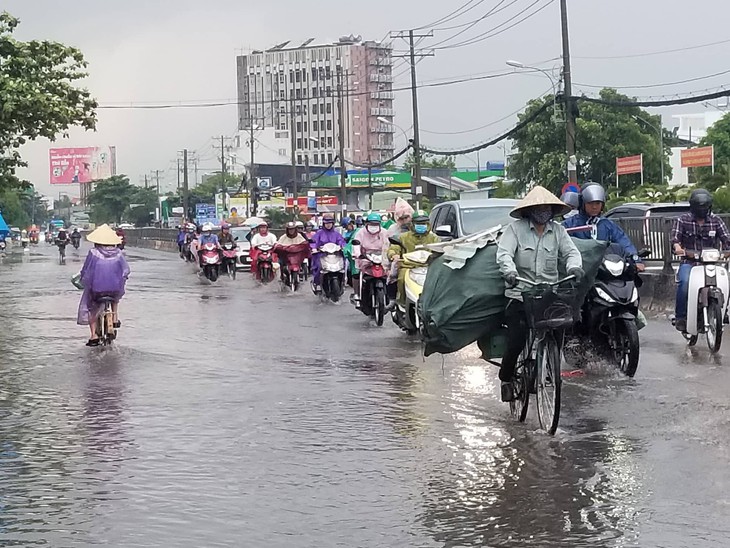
{"points": [[81, 165]]}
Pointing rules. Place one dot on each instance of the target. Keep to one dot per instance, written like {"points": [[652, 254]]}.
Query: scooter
{"points": [[265, 263], [229, 259], [211, 261], [76, 242], [3, 247], [332, 266], [292, 257], [373, 278], [415, 265], [707, 299], [611, 308]]}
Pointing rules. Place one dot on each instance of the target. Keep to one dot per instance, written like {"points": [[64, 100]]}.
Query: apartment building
{"points": [[297, 88]]}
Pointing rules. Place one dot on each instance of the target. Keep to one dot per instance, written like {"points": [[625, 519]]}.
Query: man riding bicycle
{"points": [[533, 247]]}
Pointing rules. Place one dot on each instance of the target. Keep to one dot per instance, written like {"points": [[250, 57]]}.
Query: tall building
{"points": [[296, 88]]}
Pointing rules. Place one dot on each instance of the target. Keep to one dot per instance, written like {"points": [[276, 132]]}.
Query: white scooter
{"points": [[707, 300]]}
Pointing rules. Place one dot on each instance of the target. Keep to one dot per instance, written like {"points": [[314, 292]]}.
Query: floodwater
{"points": [[236, 415]]}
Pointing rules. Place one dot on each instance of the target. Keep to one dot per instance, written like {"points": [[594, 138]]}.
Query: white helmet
{"points": [[208, 227]]}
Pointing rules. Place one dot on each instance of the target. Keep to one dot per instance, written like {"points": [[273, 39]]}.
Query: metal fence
{"points": [[654, 234], [160, 234]]}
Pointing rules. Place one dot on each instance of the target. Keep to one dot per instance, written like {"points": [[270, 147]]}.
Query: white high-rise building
{"points": [[295, 88]]}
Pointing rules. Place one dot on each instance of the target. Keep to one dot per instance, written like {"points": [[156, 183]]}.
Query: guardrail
{"points": [[654, 234], [134, 236]]}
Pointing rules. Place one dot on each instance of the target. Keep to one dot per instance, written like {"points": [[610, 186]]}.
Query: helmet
{"points": [[225, 226], [262, 224], [420, 217], [373, 218], [299, 224], [208, 227], [291, 225], [345, 222], [310, 225], [328, 218], [572, 199], [700, 203], [358, 220], [593, 192]]}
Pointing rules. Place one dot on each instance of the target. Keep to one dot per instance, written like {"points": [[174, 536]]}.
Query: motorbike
{"points": [[610, 310], [62, 250], [707, 299], [121, 234], [229, 259], [190, 251], [265, 263], [3, 247], [306, 269], [373, 279], [415, 265], [76, 242], [292, 257], [211, 261], [25, 242], [332, 271]]}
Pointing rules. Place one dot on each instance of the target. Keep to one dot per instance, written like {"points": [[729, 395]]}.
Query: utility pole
{"points": [[341, 136], [568, 91], [223, 178], [146, 185], [186, 191], [416, 179], [292, 124], [178, 173], [251, 170]]}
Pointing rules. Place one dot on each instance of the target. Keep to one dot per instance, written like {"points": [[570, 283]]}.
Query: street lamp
{"points": [[661, 139], [519, 65]]}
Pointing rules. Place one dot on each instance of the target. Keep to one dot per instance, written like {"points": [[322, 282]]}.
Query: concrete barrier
{"points": [[657, 293]]}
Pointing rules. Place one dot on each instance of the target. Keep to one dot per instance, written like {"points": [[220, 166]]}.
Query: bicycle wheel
{"points": [[521, 382], [714, 328], [549, 382]]}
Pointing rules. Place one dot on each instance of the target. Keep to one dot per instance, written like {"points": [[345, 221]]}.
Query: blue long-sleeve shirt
{"points": [[606, 230]]}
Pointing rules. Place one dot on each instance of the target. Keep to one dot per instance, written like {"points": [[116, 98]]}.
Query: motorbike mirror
{"points": [[355, 242], [235, 239], [644, 253], [444, 231], [395, 240]]}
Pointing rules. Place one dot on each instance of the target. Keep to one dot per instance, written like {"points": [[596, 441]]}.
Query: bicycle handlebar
{"points": [[551, 284]]}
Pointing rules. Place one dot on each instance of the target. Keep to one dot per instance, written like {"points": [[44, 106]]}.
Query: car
{"points": [[459, 218], [648, 224], [243, 251], [126, 226]]}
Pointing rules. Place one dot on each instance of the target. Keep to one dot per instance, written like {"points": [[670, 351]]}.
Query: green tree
{"points": [[21, 207], [205, 192], [39, 98], [603, 133], [430, 161], [718, 135], [111, 198], [142, 206]]}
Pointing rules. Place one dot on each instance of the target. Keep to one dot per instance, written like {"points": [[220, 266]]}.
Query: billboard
{"points": [[70, 166], [629, 164], [698, 157]]}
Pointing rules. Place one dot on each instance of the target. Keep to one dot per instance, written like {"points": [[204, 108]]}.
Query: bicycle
{"points": [[105, 322], [549, 310], [61, 252]]}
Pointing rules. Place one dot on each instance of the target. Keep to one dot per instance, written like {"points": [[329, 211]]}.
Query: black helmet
{"points": [[700, 203]]}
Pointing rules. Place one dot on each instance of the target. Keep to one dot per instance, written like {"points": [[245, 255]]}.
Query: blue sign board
{"points": [[495, 166], [205, 213]]}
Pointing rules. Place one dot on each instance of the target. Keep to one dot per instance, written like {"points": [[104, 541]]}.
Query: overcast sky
{"points": [[149, 51]]}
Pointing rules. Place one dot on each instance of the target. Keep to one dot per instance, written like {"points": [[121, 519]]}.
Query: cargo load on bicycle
{"points": [[463, 297]]}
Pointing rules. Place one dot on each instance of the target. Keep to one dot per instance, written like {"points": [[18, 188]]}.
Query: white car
{"points": [[243, 251], [126, 226]]}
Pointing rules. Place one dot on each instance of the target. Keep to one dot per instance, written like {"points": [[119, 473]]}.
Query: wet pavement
{"points": [[235, 415]]}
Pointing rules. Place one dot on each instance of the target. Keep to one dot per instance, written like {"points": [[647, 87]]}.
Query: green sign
{"points": [[393, 179]]}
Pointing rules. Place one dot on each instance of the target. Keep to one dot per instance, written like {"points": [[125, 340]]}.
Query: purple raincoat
{"points": [[105, 272], [322, 237]]}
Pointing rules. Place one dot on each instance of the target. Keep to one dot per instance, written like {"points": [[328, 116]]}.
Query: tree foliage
{"points": [[430, 161], [39, 98], [116, 199], [718, 135], [21, 207], [205, 192], [603, 133]]}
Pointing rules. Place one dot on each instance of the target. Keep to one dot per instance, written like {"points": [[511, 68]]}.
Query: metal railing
{"points": [[654, 234]]}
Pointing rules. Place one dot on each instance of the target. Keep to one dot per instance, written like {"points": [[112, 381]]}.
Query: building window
{"points": [[329, 108], [298, 76], [316, 159], [315, 125], [314, 108], [291, 76], [329, 141], [329, 157], [299, 159], [305, 127], [299, 127], [329, 125], [328, 70], [314, 92], [299, 144], [314, 73], [282, 152], [329, 91]]}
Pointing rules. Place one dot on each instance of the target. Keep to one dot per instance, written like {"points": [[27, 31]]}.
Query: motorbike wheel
{"points": [[714, 329], [232, 269], [335, 289], [626, 347], [379, 306]]}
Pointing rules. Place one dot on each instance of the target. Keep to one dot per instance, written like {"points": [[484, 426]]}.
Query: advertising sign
{"points": [[70, 166], [205, 213], [698, 157], [629, 164], [303, 201]]}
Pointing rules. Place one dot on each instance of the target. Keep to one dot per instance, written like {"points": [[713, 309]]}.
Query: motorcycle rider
{"points": [[225, 236], [403, 217], [181, 235], [310, 230], [263, 236], [207, 237], [373, 239], [62, 237], [76, 237], [418, 235], [592, 202], [350, 229], [300, 228], [291, 237], [532, 247], [105, 272], [694, 231], [573, 200], [325, 235]]}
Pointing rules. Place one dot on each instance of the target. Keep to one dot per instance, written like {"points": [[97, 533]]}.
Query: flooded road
{"points": [[234, 415]]}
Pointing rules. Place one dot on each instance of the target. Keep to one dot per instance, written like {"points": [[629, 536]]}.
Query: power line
{"points": [[651, 53], [450, 17], [491, 32], [647, 86], [491, 12]]}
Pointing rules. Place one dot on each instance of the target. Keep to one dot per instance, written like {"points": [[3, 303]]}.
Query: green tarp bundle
{"points": [[464, 305]]}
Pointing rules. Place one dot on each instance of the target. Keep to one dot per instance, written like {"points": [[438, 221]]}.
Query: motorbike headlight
{"points": [[710, 255], [615, 268], [635, 295], [605, 296], [418, 275]]}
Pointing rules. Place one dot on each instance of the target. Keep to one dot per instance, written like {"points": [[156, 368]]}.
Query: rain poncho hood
{"points": [[402, 208], [372, 243]]}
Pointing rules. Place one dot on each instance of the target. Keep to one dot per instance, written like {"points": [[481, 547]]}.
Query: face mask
{"points": [[541, 216], [373, 229], [420, 229]]}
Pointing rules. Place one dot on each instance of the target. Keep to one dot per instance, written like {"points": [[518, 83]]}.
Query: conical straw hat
{"points": [[104, 235], [540, 196]]}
